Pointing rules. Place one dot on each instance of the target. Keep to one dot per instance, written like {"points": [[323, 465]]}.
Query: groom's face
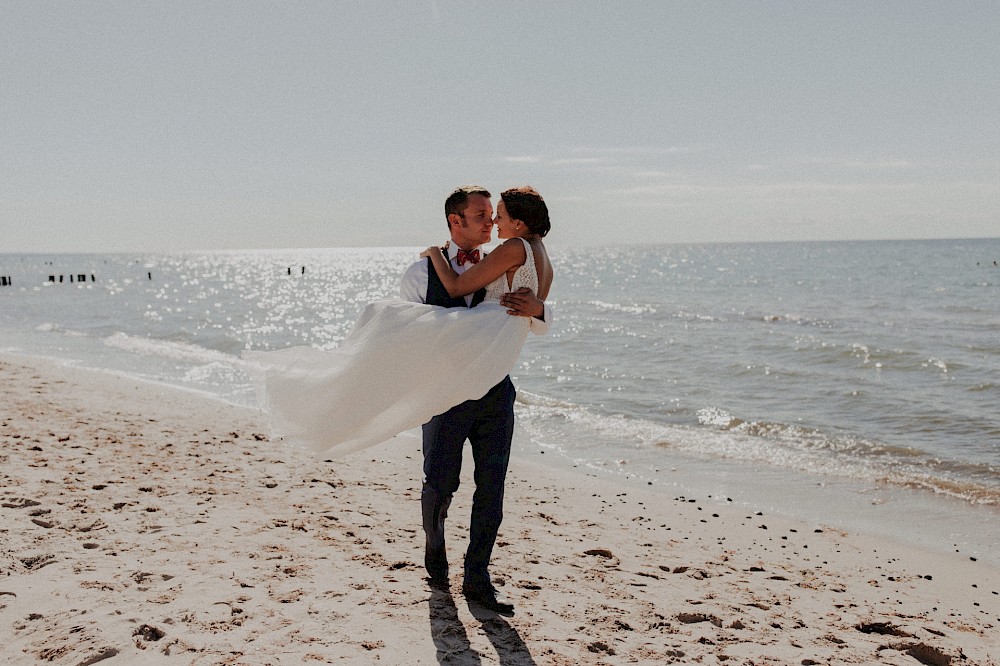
{"points": [[475, 225]]}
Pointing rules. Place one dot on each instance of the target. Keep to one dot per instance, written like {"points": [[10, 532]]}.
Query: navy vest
{"points": [[438, 295]]}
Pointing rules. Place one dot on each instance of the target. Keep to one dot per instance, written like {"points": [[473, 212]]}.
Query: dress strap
{"points": [[527, 249]]}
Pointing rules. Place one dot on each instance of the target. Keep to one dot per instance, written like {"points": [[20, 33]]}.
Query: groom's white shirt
{"points": [[413, 288]]}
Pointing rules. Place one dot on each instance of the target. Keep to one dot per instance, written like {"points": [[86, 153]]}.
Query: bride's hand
{"points": [[435, 248]]}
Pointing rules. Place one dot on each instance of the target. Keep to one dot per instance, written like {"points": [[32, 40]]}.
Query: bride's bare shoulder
{"points": [[513, 248]]}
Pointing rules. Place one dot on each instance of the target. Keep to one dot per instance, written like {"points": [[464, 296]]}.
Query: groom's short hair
{"points": [[459, 199]]}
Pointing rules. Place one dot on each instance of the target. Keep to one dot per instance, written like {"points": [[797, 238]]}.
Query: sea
{"points": [[852, 385]]}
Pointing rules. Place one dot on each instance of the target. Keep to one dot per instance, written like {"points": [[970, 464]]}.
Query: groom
{"points": [[487, 423]]}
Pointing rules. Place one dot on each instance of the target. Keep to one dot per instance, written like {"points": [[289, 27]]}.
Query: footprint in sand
{"points": [[19, 503], [695, 618], [66, 638]]}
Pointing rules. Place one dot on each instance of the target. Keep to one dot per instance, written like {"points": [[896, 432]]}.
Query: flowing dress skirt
{"points": [[402, 364]]}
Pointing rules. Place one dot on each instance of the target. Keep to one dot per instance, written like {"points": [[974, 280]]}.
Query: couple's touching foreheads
{"points": [[436, 357]]}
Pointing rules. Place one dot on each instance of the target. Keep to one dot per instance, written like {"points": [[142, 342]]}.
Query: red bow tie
{"points": [[464, 256]]}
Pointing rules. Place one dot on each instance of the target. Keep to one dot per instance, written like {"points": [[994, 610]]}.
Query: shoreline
{"points": [[912, 517], [146, 522], [880, 509]]}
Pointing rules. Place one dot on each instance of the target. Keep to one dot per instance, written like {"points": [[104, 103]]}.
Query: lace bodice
{"points": [[526, 275]]}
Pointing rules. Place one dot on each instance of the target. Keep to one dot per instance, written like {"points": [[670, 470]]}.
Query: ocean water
{"points": [[852, 384]]}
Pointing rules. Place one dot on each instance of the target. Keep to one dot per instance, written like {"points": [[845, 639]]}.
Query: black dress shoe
{"points": [[487, 596], [439, 582], [436, 563]]}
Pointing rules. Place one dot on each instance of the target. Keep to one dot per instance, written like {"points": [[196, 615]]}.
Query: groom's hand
{"points": [[523, 303]]}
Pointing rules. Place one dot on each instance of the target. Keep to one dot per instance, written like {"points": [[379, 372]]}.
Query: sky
{"points": [[197, 125]]}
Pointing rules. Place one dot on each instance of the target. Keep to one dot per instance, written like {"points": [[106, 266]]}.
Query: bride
{"points": [[406, 362]]}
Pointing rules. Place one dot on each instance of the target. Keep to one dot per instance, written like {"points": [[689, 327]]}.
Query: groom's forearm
{"points": [[524, 303], [541, 325], [545, 310]]}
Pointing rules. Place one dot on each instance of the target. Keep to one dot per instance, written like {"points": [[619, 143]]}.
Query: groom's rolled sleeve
{"points": [[541, 326], [413, 285]]}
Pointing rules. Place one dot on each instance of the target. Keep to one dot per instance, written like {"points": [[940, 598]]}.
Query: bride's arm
{"points": [[509, 255]]}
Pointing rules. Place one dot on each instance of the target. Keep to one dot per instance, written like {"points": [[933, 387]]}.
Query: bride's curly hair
{"points": [[526, 204]]}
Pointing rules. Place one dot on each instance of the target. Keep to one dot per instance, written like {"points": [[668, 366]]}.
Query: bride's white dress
{"points": [[402, 364]]}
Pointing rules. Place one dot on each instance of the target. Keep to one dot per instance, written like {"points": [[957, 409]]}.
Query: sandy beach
{"points": [[141, 524]]}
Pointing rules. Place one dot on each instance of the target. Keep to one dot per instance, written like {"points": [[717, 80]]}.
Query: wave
{"points": [[788, 318], [180, 351], [636, 309], [52, 327], [593, 438]]}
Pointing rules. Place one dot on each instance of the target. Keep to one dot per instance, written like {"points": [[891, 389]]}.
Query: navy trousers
{"points": [[488, 425]]}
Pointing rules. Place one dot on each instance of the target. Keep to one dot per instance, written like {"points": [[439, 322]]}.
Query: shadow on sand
{"points": [[452, 642]]}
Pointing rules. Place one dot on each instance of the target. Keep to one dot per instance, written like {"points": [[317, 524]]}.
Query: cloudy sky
{"points": [[199, 125]]}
